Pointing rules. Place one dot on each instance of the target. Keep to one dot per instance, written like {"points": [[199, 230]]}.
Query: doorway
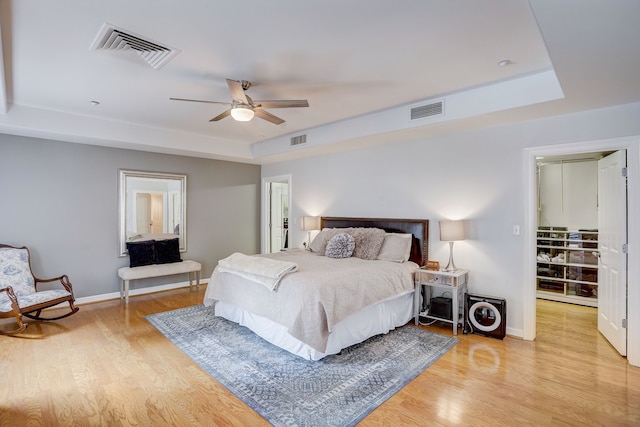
{"points": [[531, 216], [582, 214], [567, 228], [276, 200]]}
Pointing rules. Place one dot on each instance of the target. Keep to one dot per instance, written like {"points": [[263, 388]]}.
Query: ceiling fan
{"points": [[243, 108]]}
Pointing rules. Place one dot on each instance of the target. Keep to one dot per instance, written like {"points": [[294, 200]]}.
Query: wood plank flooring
{"points": [[107, 366]]}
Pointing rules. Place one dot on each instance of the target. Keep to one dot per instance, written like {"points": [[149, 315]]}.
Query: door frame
{"points": [[264, 212], [632, 145]]}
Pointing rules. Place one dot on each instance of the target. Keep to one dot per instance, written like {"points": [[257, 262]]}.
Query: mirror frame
{"points": [[123, 174]]}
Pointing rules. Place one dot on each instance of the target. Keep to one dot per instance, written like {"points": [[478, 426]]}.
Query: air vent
{"points": [[297, 140], [112, 38], [427, 110]]}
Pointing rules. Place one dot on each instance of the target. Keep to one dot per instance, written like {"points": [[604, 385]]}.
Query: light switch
{"points": [[516, 230]]}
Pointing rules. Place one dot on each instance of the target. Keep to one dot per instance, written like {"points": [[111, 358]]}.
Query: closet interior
{"points": [[567, 234]]}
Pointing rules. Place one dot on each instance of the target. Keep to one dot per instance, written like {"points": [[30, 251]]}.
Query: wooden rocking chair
{"points": [[19, 295]]}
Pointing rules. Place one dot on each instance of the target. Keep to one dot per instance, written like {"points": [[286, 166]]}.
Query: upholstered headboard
{"points": [[419, 228]]}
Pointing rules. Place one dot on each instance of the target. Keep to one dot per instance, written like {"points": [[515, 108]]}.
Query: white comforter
{"points": [[321, 293]]}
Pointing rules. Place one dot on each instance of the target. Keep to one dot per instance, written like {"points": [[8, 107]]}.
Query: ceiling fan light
{"points": [[242, 114]]}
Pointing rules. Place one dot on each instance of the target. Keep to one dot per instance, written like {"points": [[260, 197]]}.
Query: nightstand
{"points": [[453, 282]]}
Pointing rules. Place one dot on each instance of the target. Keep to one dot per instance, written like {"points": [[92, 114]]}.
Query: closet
{"points": [[567, 235]]}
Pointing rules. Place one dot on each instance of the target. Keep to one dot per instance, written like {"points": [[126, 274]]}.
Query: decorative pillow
{"points": [[167, 251], [340, 246], [141, 253], [396, 247], [368, 242]]}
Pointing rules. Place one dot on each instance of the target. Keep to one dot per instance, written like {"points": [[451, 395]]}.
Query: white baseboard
{"points": [[116, 295], [134, 292], [514, 332]]}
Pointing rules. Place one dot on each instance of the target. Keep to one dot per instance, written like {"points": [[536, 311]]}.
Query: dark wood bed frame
{"points": [[419, 228]]}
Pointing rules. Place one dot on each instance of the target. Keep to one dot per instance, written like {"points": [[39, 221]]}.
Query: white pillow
{"points": [[319, 243], [396, 247]]}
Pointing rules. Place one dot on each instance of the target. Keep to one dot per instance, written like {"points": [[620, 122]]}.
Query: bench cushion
{"points": [[157, 270]]}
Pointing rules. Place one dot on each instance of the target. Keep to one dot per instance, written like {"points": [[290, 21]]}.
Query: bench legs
{"points": [[124, 290], [124, 285], [197, 278]]}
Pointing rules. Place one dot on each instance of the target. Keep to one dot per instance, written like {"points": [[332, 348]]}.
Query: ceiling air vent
{"points": [[427, 110], [112, 38], [297, 140]]}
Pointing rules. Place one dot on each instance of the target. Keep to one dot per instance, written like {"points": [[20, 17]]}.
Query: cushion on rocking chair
{"points": [[26, 301], [15, 271], [19, 295]]}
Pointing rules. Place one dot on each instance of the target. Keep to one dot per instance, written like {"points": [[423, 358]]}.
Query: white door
{"points": [[276, 217], [276, 199], [157, 215], [612, 240], [143, 213]]}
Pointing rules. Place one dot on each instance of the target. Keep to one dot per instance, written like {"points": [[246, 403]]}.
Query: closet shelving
{"points": [[567, 265]]}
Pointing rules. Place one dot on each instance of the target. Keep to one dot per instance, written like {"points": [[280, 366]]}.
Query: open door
{"points": [[277, 216], [612, 244], [276, 202]]}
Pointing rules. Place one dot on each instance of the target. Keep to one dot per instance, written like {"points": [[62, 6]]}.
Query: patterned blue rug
{"points": [[339, 390]]}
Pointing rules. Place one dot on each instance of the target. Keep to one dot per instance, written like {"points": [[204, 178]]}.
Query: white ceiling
{"points": [[361, 64]]}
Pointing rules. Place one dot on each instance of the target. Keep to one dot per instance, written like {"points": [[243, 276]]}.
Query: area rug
{"points": [[286, 390]]}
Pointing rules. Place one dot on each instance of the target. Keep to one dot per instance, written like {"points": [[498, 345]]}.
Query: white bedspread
{"points": [[322, 292]]}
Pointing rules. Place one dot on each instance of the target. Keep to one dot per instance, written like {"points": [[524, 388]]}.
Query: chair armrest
{"points": [[12, 298], [64, 281]]}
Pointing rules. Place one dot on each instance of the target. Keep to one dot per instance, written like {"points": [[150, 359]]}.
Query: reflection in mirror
{"points": [[152, 205]]}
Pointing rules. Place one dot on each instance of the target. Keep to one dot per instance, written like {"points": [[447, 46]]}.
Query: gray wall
{"points": [[61, 200]]}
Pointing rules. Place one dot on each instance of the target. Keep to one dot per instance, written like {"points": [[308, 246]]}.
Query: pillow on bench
{"points": [[150, 252], [141, 253], [167, 251]]}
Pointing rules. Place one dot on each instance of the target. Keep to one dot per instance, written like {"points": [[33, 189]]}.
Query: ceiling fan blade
{"points": [[237, 92], [282, 103], [221, 116], [199, 100], [268, 116]]}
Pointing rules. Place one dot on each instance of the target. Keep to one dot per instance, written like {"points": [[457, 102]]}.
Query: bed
{"points": [[322, 305]]}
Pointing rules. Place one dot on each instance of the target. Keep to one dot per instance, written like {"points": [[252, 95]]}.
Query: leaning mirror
{"points": [[152, 205]]}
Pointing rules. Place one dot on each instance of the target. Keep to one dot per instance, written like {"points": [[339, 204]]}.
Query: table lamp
{"points": [[450, 231], [309, 224]]}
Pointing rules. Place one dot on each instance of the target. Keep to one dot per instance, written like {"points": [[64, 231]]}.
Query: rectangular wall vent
{"points": [[428, 110], [297, 140], [112, 38]]}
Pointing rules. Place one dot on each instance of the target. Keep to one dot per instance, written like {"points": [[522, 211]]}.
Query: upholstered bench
{"points": [[156, 270]]}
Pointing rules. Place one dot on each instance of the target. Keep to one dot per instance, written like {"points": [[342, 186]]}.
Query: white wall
{"points": [[475, 175], [568, 194]]}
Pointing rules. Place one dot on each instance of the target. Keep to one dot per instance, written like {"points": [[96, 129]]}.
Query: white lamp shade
{"points": [[451, 230], [242, 114], [309, 223]]}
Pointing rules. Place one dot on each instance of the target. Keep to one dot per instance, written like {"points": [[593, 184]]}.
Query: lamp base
{"points": [[451, 266]]}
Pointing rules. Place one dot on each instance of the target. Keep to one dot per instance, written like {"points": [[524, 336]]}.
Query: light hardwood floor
{"points": [[107, 366]]}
